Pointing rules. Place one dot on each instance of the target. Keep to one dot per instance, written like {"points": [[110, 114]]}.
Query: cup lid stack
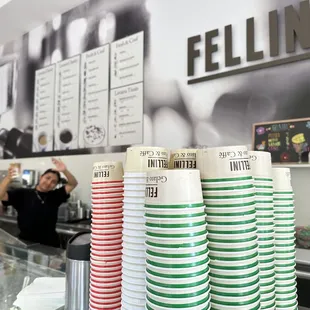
{"points": [[106, 236], [262, 173], [285, 260], [139, 160], [176, 241], [183, 159], [229, 196]]}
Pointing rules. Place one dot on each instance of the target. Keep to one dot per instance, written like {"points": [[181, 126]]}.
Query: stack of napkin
{"points": [[42, 294]]}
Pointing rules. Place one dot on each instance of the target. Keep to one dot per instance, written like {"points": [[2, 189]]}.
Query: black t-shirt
{"points": [[37, 213]]}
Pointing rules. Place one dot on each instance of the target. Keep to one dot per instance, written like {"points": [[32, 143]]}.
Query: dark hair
{"points": [[54, 172]]}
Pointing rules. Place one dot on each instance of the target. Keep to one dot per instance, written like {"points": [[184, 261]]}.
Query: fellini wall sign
{"points": [[297, 28]]}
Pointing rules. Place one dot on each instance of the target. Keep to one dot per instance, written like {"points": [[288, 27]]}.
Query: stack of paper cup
{"points": [[286, 297], [183, 159], [177, 253], [139, 160], [106, 241], [229, 196], [262, 172]]}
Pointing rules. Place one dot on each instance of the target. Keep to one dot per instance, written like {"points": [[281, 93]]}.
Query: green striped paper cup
{"points": [[178, 276], [171, 301], [253, 303], [219, 293], [182, 291]]}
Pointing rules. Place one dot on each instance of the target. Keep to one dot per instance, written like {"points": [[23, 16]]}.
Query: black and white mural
{"points": [[216, 112]]}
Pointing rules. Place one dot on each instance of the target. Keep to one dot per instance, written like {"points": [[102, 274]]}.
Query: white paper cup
{"points": [[176, 231], [231, 281], [105, 252], [107, 223], [137, 303], [203, 305], [223, 162], [106, 185], [230, 272], [134, 275], [173, 187], [109, 171], [197, 237], [134, 220], [178, 301], [133, 233], [282, 179], [134, 226], [180, 250], [107, 189], [261, 164], [134, 187], [133, 213], [216, 228], [218, 299], [133, 194], [163, 288], [232, 184], [200, 256], [134, 253], [142, 159], [108, 195], [172, 219], [114, 209], [133, 267], [237, 263], [102, 236], [229, 202], [183, 159], [230, 219], [134, 200], [230, 193], [158, 210], [134, 288], [106, 201]]}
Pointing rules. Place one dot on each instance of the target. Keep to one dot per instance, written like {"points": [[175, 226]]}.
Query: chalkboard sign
{"points": [[287, 141]]}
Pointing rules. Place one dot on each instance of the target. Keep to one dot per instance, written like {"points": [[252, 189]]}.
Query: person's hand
{"points": [[60, 166], [11, 174]]}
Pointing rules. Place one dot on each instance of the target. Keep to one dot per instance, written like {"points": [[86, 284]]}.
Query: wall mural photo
{"points": [[109, 74]]}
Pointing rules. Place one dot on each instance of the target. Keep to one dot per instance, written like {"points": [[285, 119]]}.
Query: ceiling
{"points": [[20, 16]]}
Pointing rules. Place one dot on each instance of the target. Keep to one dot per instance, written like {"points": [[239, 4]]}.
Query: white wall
{"points": [[301, 186]]}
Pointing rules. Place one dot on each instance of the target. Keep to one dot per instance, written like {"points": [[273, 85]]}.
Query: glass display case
{"points": [[21, 264]]}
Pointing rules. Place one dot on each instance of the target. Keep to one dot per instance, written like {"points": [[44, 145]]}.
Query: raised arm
{"points": [[61, 167], [5, 184]]}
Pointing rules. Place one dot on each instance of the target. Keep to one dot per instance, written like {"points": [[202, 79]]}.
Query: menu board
{"points": [[126, 99], [67, 104], [287, 140], [94, 98], [43, 117]]}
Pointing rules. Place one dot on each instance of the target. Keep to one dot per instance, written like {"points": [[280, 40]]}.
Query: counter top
{"points": [[20, 264], [303, 257], [61, 228]]}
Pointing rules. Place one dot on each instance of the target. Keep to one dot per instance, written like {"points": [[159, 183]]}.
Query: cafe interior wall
{"points": [[175, 114]]}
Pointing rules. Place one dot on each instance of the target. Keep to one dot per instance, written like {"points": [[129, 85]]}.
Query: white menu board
{"points": [[126, 96], [94, 104], [43, 117], [67, 100], [126, 115], [127, 60]]}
